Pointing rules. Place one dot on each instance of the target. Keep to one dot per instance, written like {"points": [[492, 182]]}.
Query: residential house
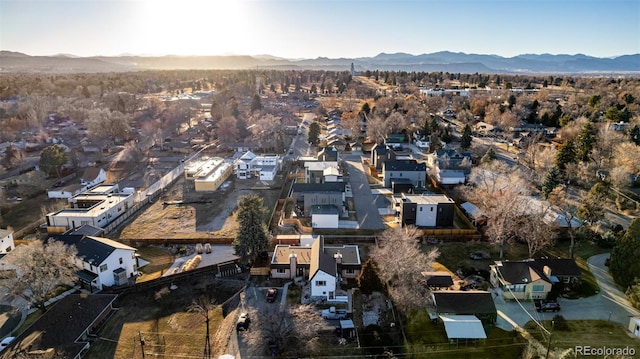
{"points": [[534, 278], [449, 167], [306, 195], [67, 191], [93, 176], [102, 262], [324, 216], [425, 210], [477, 217], [323, 266], [98, 206], [65, 329], [414, 171], [381, 153], [438, 280], [6, 241], [329, 154], [314, 172], [474, 302], [396, 141]]}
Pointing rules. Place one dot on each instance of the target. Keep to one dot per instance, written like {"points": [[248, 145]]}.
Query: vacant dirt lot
{"points": [[181, 212]]}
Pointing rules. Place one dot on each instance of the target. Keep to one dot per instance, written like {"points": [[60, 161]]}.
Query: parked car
{"points": [[5, 343], [546, 305], [243, 322], [272, 293], [333, 313]]}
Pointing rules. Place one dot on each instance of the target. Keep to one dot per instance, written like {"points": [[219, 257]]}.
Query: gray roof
{"points": [[520, 272], [93, 250], [324, 209], [464, 302], [404, 166], [318, 187], [87, 230]]}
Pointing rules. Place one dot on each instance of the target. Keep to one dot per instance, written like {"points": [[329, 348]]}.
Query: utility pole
{"points": [[549, 342], [141, 343]]}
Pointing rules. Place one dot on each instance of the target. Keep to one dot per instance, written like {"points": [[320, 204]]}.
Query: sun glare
{"points": [[193, 27]]}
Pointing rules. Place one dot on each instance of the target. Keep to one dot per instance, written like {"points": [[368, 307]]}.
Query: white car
{"points": [[5, 342]]}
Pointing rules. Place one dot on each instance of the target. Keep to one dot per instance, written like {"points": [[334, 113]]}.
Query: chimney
{"points": [[338, 258], [293, 264]]}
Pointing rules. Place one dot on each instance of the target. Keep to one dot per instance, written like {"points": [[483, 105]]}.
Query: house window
{"points": [[281, 270], [431, 209], [350, 271], [120, 260], [420, 209], [537, 288], [103, 268], [321, 283]]}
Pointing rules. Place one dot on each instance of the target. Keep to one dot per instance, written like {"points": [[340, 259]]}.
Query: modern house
{"points": [[6, 241], [474, 302], [329, 154], [97, 206], [324, 266], [306, 195], [425, 210], [264, 167], [315, 172], [102, 261], [381, 153], [324, 216], [414, 171], [534, 278], [64, 330], [92, 176]]}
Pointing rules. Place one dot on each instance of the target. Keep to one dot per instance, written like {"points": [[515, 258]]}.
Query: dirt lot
{"points": [[181, 212]]}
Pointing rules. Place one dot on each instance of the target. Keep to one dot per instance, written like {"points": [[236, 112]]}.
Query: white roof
{"points": [[463, 327], [472, 210]]}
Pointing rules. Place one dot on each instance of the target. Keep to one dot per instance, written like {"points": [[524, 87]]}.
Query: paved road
{"points": [[365, 202], [609, 304]]}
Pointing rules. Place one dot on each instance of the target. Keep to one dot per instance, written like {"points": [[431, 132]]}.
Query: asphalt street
{"points": [[610, 304]]}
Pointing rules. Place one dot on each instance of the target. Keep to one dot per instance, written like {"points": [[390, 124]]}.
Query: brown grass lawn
{"points": [[159, 259], [594, 333], [169, 330]]}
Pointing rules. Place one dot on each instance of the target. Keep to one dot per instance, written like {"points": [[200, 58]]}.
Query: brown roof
{"points": [[282, 252], [90, 173]]}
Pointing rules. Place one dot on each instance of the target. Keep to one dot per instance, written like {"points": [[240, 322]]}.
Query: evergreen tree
{"points": [[624, 264], [365, 108], [592, 209], [11, 157], [586, 141], [256, 103], [52, 159], [446, 137], [251, 239], [368, 280], [466, 139], [551, 180], [314, 133], [489, 156], [434, 142], [634, 135], [566, 154]]}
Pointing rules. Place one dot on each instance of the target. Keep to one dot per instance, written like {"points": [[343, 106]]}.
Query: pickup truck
{"points": [[546, 305], [333, 313]]}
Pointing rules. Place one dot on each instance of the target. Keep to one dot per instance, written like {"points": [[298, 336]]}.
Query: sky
{"points": [[319, 28]]}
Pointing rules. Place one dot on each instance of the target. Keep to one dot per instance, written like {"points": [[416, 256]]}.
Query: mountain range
{"points": [[445, 61]]}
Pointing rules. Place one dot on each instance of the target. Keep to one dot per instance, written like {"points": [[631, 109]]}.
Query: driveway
{"points": [[365, 202], [610, 304]]}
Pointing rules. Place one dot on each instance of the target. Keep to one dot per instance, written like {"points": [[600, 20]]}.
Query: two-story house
{"points": [[450, 167], [324, 266], [316, 172], [306, 195], [425, 210], [102, 262], [412, 170]]}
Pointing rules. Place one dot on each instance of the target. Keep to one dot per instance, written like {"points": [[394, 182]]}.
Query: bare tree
{"points": [[203, 307], [400, 262], [227, 130], [376, 128], [40, 268], [568, 208], [530, 226], [293, 331], [497, 189]]}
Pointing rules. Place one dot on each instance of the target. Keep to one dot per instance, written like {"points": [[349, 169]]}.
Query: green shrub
{"points": [[633, 293], [559, 323]]}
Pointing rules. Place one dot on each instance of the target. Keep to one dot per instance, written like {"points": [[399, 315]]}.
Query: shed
{"points": [[463, 327], [634, 326]]}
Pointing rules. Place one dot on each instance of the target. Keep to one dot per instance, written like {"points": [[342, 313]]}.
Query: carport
{"points": [[463, 327]]}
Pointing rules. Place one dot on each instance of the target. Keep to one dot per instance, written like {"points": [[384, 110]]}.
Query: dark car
{"points": [[243, 322], [546, 305], [272, 293]]}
